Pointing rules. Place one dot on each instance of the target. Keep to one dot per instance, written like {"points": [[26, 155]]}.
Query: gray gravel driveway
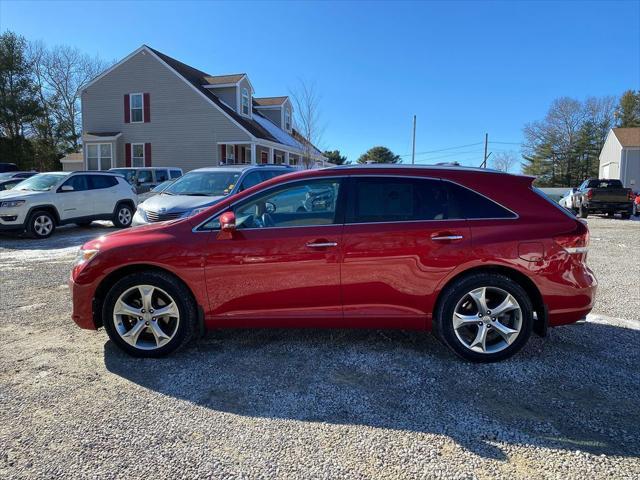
{"points": [[314, 404]]}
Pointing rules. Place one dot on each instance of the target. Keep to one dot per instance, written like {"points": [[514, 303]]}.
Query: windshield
{"points": [[128, 174], [162, 186], [40, 182], [4, 176], [204, 183]]}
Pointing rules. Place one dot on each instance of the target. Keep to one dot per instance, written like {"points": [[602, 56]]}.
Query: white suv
{"points": [[40, 203]]}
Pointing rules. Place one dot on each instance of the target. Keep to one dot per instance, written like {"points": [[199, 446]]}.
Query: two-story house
{"points": [[152, 110], [620, 156]]}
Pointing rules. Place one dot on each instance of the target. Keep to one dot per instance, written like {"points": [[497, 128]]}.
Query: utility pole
{"points": [[486, 145], [413, 150]]}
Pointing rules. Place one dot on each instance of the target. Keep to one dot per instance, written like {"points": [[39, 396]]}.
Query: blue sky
{"points": [[464, 68]]}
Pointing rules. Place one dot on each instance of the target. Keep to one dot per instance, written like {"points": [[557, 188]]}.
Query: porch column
{"points": [[286, 158], [253, 154], [270, 155]]}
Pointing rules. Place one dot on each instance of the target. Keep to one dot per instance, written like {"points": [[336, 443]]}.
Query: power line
{"points": [[443, 149], [507, 143]]}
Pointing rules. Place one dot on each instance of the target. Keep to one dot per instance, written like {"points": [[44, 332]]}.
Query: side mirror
{"points": [[228, 222], [66, 188]]}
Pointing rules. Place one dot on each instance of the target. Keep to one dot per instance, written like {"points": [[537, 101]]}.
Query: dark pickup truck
{"points": [[606, 196]]}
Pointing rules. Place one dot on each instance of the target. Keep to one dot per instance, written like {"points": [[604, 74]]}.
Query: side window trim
{"points": [[340, 204]]}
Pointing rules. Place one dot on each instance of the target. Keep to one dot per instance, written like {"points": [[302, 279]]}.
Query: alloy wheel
{"points": [[146, 317], [124, 216], [42, 225], [487, 320]]}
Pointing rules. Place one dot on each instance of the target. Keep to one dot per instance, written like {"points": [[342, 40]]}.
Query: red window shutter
{"points": [[244, 154], [147, 154], [224, 154], [127, 109], [127, 154], [237, 154], [147, 108]]}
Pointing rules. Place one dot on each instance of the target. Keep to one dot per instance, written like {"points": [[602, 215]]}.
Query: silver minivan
{"points": [[144, 179]]}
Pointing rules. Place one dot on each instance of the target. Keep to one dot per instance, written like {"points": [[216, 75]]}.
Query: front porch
{"points": [[256, 153]]}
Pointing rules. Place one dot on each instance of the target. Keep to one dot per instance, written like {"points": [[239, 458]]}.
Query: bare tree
{"points": [[504, 161], [64, 70], [306, 103]]}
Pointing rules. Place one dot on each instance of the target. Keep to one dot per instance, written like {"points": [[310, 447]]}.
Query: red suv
{"points": [[478, 257]]}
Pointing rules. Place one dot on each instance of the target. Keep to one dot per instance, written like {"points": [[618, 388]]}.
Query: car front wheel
{"points": [[41, 224], [149, 314], [484, 317]]}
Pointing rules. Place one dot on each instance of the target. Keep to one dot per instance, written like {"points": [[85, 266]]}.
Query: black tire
{"points": [[583, 212], [636, 210], [625, 215], [36, 221], [123, 215], [454, 293], [178, 292]]}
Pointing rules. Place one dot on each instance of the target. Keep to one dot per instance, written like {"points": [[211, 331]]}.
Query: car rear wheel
{"points": [[41, 224], [583, 212], [484, 317], [123, 216], [149, 314]]}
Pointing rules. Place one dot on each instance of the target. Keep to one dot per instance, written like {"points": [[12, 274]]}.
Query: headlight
{"points": [[84, 256], [195, 211], [11, 203]]}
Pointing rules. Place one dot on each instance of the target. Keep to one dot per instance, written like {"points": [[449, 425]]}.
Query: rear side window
{"points": [[389, 199], [471, 204], [102, 181], [176, 173], [162, 176], [251, 179]]}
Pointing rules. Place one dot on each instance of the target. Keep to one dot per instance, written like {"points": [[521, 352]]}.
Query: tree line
{"points": [[563, 149], [40, 117]]}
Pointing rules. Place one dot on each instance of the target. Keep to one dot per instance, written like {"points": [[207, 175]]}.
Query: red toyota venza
{"points": [[478, 257]]}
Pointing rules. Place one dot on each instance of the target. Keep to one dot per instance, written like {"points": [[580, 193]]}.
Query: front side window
{"points": [[162, 175], [137, 154], [78, 182], [287, 119], [145, 176], [99, 156], [397, 200], [245, 102], [136, 105], [310, 203], [251, 179], [213, 184]]}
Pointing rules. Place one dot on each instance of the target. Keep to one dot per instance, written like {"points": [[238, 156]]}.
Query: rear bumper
{"points": [[82, 302], [609, 207], [571, 300]]}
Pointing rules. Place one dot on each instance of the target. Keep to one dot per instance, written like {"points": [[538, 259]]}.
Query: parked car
{"points": [[393, 251], [568, 200], [8, 167], [16, 174], [8, 184], [636, 204], [147, 178], [40, 203], [154, 191], [202, 188], [604, 196]]}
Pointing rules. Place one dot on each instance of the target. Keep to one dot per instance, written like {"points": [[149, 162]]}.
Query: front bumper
{"points": [[12, 219], [82, 299]]}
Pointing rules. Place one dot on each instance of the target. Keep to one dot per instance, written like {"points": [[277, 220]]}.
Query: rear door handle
{"points": [[321, 244], [445, 238]]}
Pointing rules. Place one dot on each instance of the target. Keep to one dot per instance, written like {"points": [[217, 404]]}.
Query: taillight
{"points": [[589, 194], [575, 242], [630, 196]]}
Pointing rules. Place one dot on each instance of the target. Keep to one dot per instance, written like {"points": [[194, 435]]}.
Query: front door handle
{"points": [[321, 244]]}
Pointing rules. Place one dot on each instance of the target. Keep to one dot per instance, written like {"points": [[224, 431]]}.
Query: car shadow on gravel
{"points": [[570, 391], [64, 237]]}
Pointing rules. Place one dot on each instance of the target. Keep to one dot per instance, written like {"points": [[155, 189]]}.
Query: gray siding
{"points": [[185, 128], [273, 115], [630, 174], [228, 95]]}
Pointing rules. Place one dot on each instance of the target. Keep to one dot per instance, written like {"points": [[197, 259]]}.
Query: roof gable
{"points": [[628, 137]]}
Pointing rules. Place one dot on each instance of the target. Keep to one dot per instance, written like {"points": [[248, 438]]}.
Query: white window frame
{"points": [[244, 94], [287, 119], [131, 95], [133, 158], [230, 154], [99, 157]]}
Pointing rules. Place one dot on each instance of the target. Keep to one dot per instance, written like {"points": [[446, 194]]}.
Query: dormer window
{"points": [[245, 102], [287, 120]]}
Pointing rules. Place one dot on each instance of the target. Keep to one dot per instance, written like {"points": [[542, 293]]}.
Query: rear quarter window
{"points": [[467, 203]]}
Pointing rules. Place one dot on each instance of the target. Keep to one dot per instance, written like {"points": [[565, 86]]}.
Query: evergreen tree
{"points": [[379, 155], [628, 109], [334, 157]]}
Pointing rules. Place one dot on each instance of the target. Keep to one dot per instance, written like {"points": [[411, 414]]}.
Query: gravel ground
{"points": [[314, 404]]}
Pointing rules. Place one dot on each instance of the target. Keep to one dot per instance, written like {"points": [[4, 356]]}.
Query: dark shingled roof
{"points": [[628, 137], [103, 134], [197, 78], [268, 101], [222, 79]]}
